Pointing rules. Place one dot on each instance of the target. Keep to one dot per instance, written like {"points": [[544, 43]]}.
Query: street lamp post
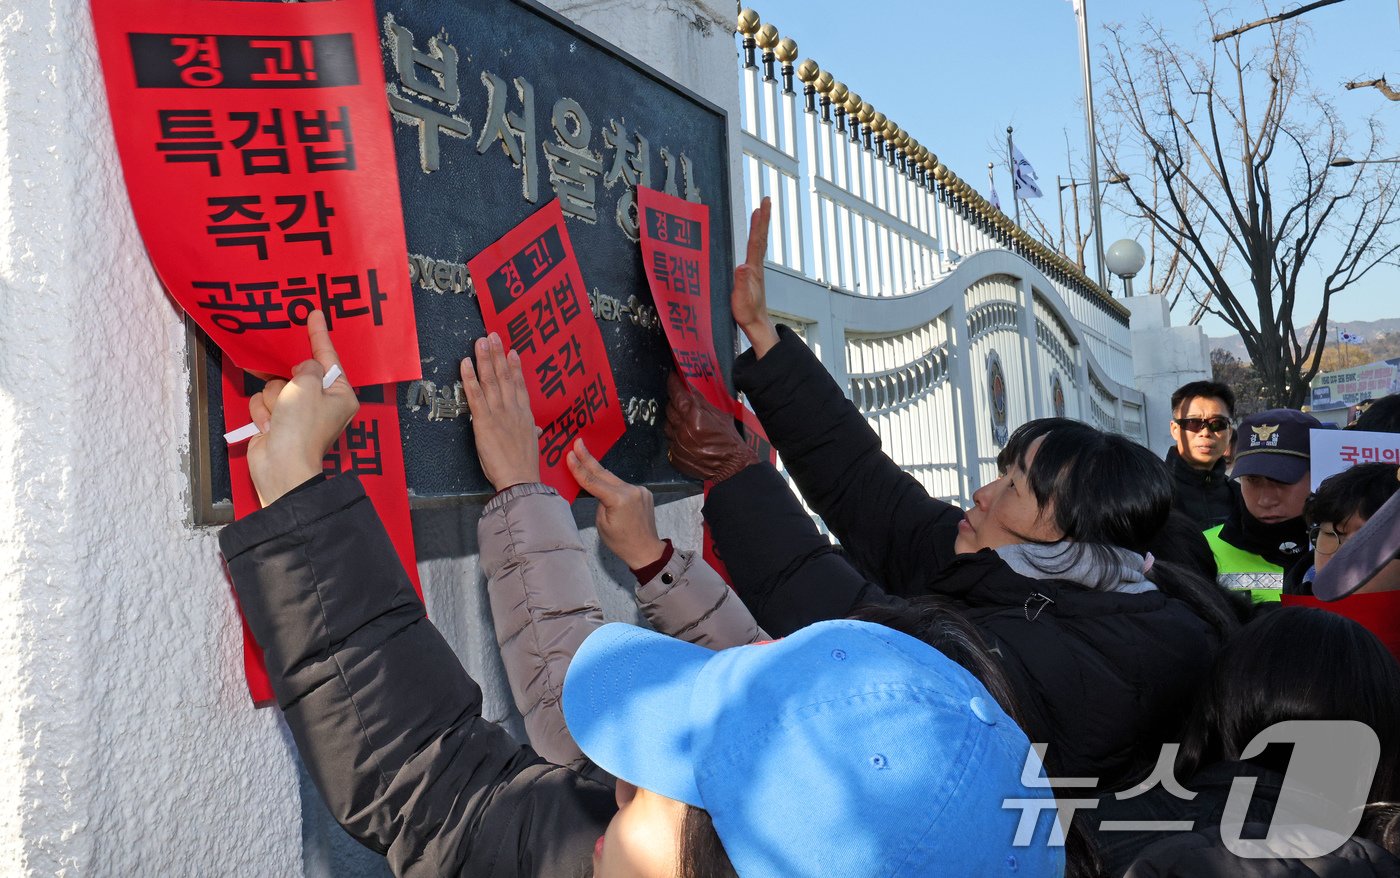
{"points": [[1342, 161], [1073, 183]]}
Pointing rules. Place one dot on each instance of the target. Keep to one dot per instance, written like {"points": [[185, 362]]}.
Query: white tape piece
{"points": [[242, 434], [248, 431]]}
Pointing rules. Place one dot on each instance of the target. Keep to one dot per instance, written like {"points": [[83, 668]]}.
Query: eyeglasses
{"points": [[1325, 542], [1195, 425]]}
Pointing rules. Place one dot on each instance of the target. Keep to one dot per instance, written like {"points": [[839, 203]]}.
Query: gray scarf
{"points": [[1077, 562]]}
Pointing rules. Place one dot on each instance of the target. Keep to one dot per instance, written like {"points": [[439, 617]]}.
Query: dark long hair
{"points": [[1296, 663], [702, 854], [1105, 491]]}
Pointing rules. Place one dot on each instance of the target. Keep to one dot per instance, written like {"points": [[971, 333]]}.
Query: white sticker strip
{"points": [[242, 434], [248, 431]]}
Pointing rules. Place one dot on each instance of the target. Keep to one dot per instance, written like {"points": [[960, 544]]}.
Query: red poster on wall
{"points": [[258, 157], [675, 239], [532, 294], [370, 448]]}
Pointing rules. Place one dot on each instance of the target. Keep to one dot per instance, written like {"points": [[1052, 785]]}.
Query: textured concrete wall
{"points": [[127, 745]]}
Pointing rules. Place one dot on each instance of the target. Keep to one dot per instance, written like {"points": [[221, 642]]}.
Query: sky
{"points": [[955, 74]]}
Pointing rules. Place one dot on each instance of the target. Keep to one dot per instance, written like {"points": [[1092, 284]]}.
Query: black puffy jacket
{"points": [[1103, 677], [384, 716]]}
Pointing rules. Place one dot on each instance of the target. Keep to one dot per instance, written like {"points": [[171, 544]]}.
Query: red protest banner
{"points": [[257, 152], [1377, 612], [532, 294], [370, 448], [675, 239]]}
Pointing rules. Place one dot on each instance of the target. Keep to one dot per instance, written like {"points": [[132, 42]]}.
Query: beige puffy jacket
{"points": [[544, 604]]}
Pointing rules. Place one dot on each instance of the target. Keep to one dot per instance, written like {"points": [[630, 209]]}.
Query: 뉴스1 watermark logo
{"points": [[1319, 805]]}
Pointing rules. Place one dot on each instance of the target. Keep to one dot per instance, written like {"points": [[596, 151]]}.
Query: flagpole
{"points": [[1082, 13], [1011, 164]]}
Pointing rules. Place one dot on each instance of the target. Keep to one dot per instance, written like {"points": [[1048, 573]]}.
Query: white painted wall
{"points": [[127, 745]]}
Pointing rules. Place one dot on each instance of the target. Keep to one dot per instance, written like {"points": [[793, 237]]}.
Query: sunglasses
{"points": [[1195, 425]]}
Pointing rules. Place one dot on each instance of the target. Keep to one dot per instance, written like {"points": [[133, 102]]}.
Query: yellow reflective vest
{"points": [[1242, 570]]}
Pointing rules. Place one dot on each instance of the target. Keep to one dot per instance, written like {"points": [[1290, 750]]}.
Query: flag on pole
{"points": [[1351, 338], [1024, 176], [996, 202]]}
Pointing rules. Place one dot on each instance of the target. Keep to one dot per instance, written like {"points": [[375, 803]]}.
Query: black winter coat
{"points": [[1200, 852], [1207, 497], [384, 716], [1103, 677]]}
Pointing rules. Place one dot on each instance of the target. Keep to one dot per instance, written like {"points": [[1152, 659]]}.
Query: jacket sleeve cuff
{"points": [[310, 501], [650, 572], [525, 489]]}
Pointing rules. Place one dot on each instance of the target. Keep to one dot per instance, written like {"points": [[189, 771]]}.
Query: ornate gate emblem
{"points": [[996, 394], [1057, 395]]}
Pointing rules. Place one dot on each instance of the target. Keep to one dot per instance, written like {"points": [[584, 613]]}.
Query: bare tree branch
{"points": [[1272, 19], [1380, 85]]}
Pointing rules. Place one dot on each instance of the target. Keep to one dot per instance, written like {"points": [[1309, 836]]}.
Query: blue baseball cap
{"points": [[847, 748]]}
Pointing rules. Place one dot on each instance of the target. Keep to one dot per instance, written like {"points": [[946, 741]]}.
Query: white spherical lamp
{"points": [[1125, 258]]}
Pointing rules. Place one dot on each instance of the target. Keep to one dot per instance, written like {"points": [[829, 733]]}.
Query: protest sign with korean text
{"points": [[257, 153], [532, 295], [675, 240], [1332, 451]]}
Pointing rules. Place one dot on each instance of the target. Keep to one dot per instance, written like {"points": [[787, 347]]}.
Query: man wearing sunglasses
{"points": [[1267, 535], [1203, 413]]}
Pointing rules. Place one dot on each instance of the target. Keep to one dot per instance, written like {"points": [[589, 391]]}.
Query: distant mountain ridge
{"points": [[1367, 329]]}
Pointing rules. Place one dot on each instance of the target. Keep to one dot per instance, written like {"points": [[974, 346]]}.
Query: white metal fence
{"points": [[947, 325]]}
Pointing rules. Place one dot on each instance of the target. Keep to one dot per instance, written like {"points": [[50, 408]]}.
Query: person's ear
{"points": [[1176, 431]]}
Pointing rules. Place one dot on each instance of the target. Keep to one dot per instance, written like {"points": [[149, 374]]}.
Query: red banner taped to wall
{"points": [[675, 240], [532, 294], [257, 152]]}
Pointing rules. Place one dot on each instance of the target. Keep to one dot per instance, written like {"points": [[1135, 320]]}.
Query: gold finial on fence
{"points": [[786, 50], [866, 112], [748, 22], [808, 71], [877, 122], [826, 84], [940, 170], [766, 37]]}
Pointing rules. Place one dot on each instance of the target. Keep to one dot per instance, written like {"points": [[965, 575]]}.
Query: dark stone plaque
{"points": [[497, 108]]}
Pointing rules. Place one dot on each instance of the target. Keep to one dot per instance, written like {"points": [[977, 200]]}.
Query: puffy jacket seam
{"points": [[546, 666], [335, 656]]}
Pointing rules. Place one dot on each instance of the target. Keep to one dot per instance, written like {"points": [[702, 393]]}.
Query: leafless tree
{"points": [[1229, 154]]}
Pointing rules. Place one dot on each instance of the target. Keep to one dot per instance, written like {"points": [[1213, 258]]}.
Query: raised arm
{"points": [[677, 591], [386, 720], [883, 517], [543, 599]]}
